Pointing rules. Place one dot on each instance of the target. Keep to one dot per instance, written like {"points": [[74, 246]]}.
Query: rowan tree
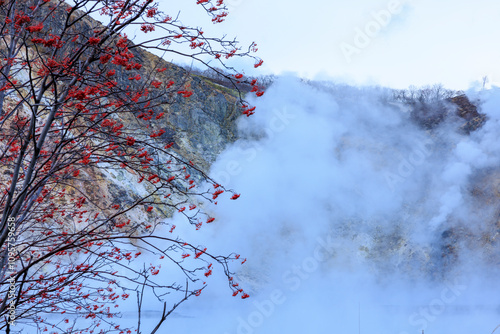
{"points": [[75, 105]]}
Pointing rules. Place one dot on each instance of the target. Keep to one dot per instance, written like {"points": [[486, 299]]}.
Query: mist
{"points": [[353, 219]]}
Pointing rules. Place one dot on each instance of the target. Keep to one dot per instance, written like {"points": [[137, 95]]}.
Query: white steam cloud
{"points": [[354, 219]]}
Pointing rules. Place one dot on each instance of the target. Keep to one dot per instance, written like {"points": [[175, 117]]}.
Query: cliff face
{"points": [[466, 110], [202, 125]]}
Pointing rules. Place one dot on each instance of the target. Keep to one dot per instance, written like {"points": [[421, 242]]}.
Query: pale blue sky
{"points": [[422, 42]]}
